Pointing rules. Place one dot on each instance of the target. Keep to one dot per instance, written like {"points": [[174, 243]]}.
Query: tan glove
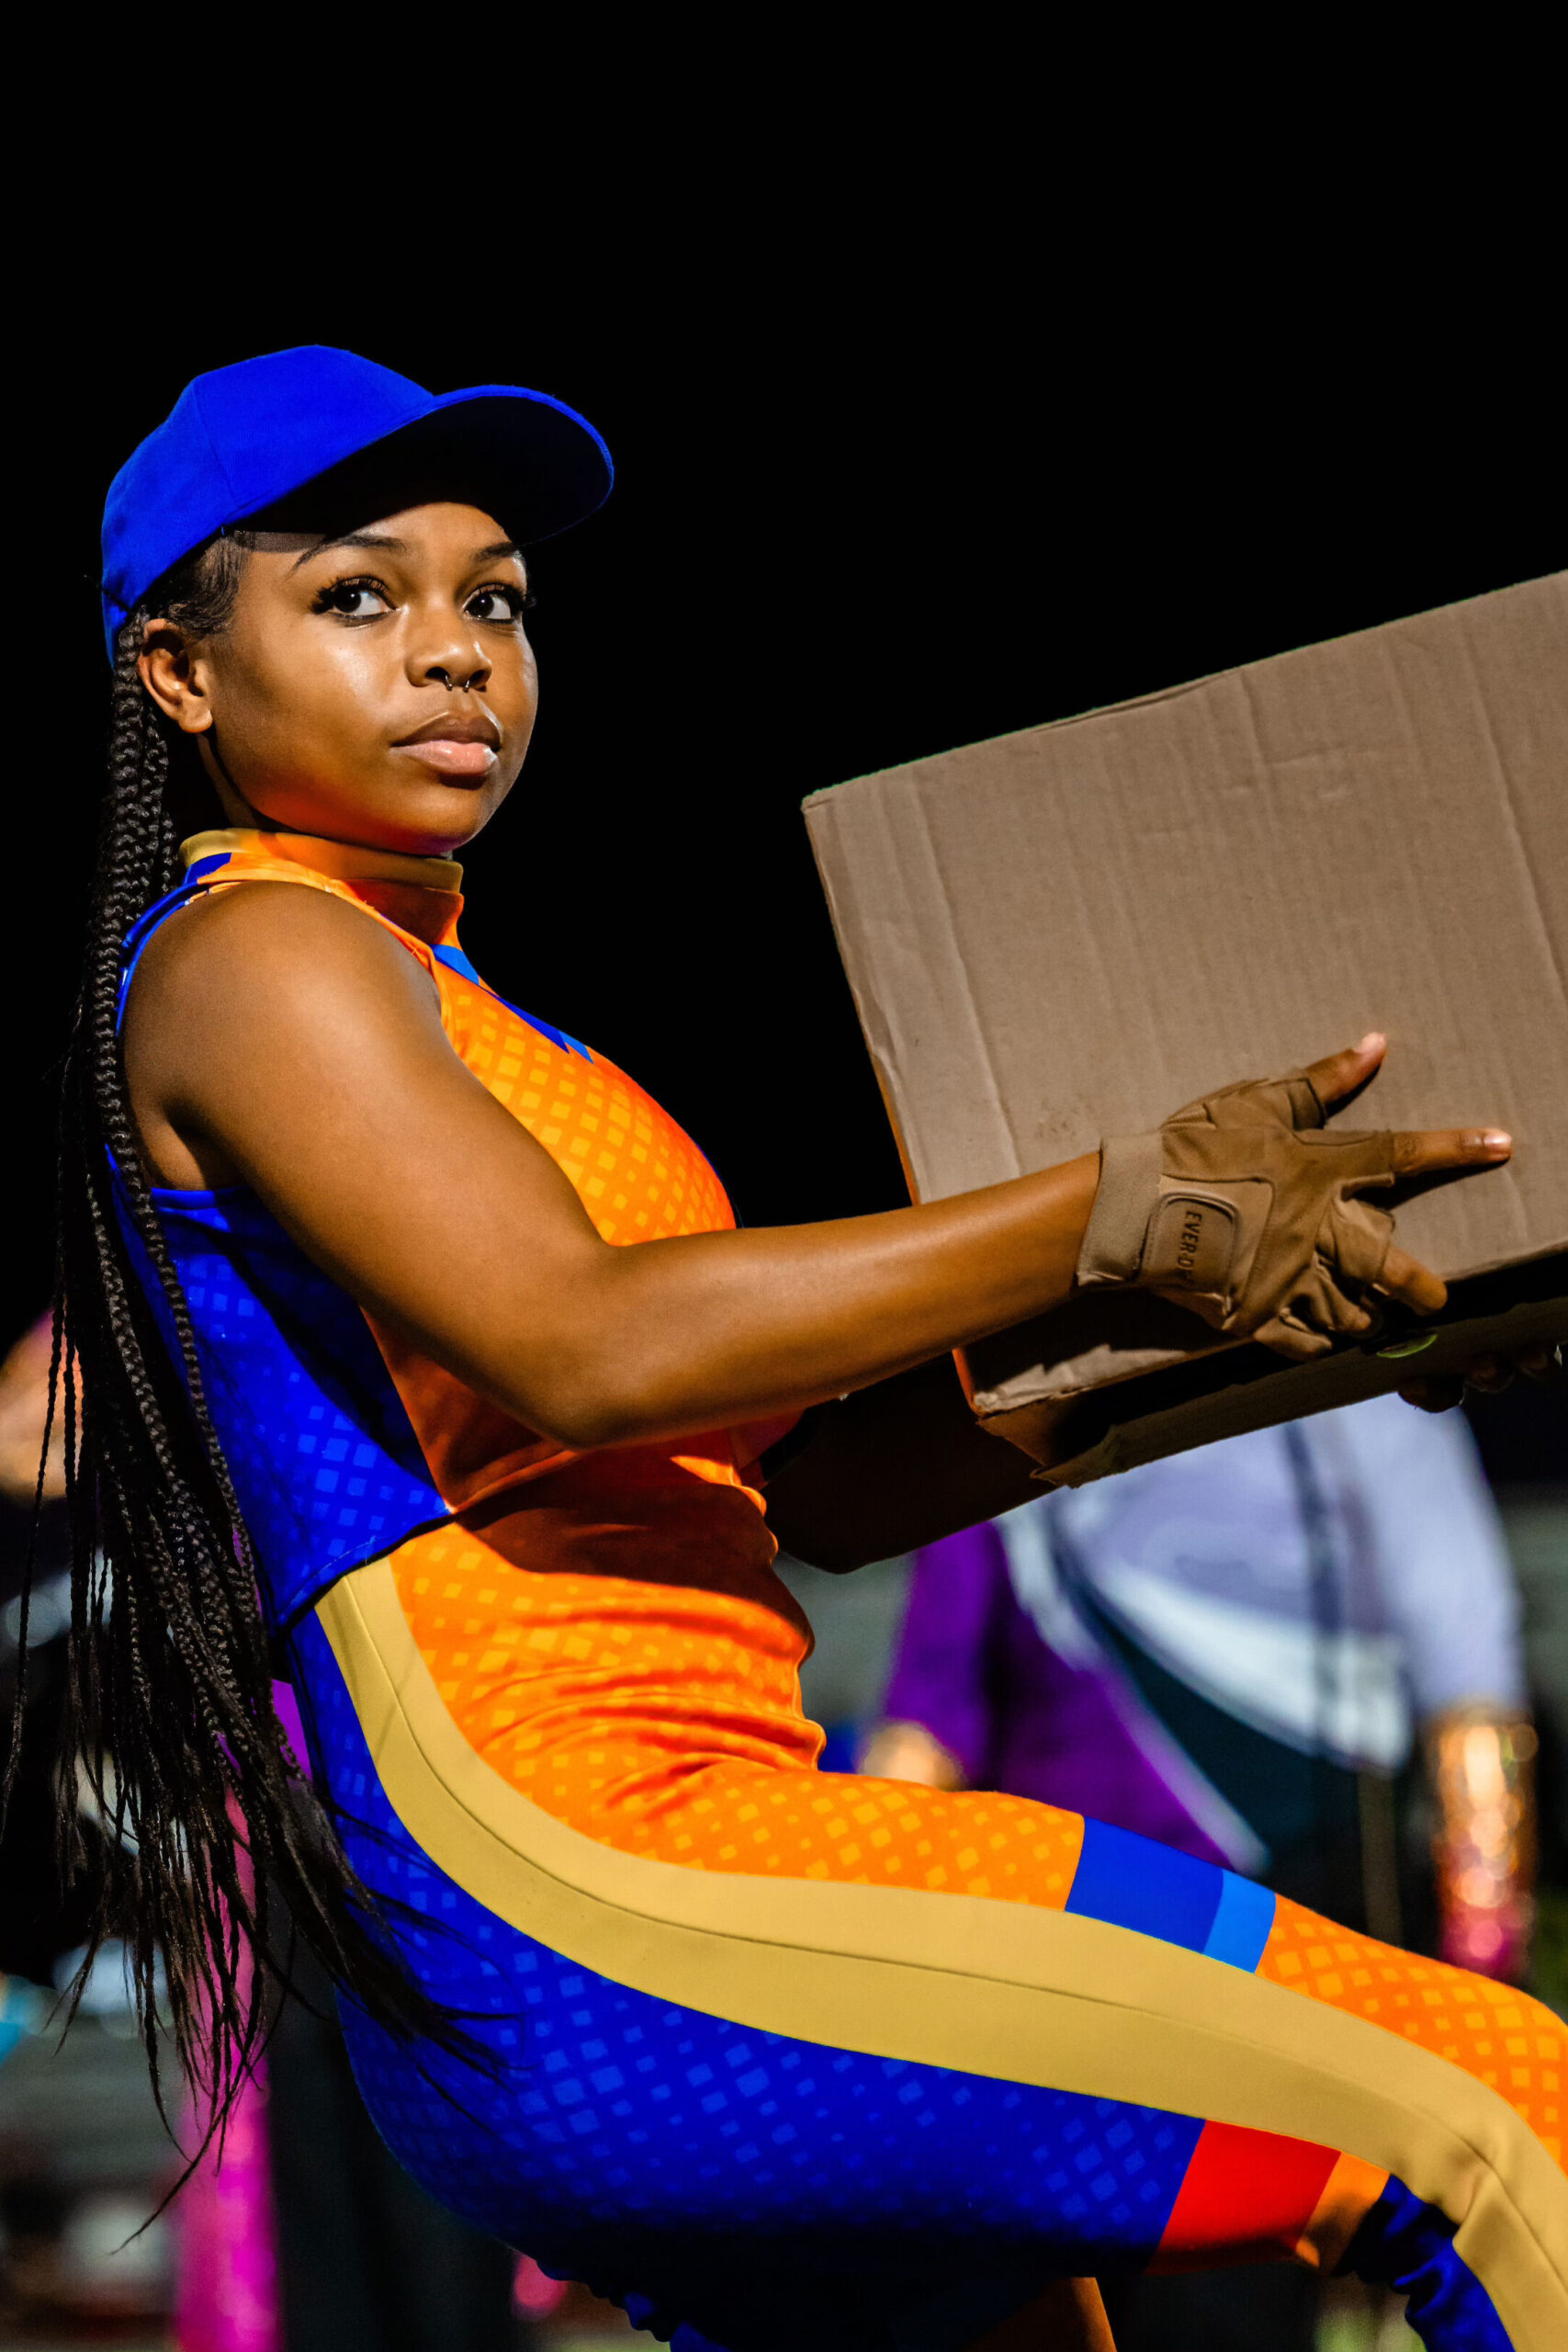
{"points": [[1243, 1208]]}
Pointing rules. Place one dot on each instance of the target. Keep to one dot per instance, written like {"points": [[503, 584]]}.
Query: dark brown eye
{"points": [[356, 600], [499, 602]]}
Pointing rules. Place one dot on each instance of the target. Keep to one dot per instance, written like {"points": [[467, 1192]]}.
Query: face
{"points": [[376, 688]]}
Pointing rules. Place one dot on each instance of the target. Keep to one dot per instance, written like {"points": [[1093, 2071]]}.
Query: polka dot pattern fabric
{"points": [[667, 1722], [639, 1178], [1509, 2042], [317, 1439], [769, 2191], [739, 2190]]}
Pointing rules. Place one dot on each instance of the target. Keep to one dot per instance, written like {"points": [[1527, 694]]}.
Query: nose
{"points": [[449, 655]]}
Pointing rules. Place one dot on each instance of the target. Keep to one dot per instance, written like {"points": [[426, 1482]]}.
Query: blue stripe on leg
{"points": [[1131, 1883], [1242, 1923]]}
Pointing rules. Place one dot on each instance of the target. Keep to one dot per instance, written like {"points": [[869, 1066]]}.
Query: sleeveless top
{"points": [[342, 1440]]}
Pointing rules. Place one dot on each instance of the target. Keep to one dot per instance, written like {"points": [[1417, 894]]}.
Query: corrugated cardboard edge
{"points": [[1294, 1393]]}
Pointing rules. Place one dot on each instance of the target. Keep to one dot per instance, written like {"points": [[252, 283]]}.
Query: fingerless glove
{"points": [[1243, 1207]]}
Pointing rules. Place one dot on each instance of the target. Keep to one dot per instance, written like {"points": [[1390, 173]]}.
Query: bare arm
{"points": [[276, 1037]]}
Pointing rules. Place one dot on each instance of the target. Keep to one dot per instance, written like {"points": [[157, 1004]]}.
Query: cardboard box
{"points": [[1069, 932]]}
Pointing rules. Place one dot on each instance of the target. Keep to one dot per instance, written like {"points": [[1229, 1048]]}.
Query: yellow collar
{"points": [[342, 861]]}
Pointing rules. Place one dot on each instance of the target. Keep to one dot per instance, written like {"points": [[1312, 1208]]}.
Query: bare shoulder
{"points": [[260, 1004], [264, 952]]}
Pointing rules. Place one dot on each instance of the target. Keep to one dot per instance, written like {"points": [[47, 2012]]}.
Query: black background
{"points": [[877, 494]]}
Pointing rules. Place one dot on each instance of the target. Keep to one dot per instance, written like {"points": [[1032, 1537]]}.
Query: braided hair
{"points": [[171, 1738]]}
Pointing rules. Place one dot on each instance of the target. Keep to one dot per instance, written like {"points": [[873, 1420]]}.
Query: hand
{"points": [[1489, 1376], [1244, 1208], [903, 1751]]}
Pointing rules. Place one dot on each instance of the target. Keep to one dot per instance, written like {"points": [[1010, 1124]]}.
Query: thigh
{"points": [[774, 2105]]}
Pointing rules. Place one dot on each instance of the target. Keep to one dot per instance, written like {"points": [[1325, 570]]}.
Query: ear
{"points": [[175, 677]]}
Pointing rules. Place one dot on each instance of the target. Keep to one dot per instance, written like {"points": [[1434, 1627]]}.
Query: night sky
{"points": [[873, 499]]}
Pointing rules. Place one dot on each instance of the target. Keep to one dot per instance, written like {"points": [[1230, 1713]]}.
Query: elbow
{"points": [[591, 1423], [594, 1406]]}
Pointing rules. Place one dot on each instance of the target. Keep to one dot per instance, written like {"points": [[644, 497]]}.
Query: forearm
{"points": [[691, 1334], [408, 1182]]}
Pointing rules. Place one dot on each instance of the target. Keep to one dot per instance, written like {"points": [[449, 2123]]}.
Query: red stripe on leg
{"points": [[1247, 2197]]}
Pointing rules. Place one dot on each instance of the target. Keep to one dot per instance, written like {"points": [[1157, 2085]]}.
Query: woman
{"points": [[771, 2058]]}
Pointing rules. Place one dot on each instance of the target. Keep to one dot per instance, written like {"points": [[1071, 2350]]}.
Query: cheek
{"points": [[515, 686], [327, 692]]}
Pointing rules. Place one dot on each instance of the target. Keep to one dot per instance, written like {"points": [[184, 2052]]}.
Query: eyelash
{"points": [[520, 600]]}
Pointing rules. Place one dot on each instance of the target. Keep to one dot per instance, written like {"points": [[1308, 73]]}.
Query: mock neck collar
{"points": [[341, 861]]}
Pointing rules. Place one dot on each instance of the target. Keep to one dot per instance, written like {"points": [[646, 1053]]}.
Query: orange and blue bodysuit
{"points": [[783, 2056]]}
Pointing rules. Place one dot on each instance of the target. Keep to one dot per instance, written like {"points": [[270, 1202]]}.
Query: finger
{"points": [[1449, 1151], [1336, 1311], [1541, 1361], [1433, 1396], [1339, 1075], [1489, 1374], [1413, 1284]]}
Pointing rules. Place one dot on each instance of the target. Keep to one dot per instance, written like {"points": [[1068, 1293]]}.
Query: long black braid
{"points": [[170, 1735]]}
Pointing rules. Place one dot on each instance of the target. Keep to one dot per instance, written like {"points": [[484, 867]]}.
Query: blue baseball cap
{"points": [[243, 438]]}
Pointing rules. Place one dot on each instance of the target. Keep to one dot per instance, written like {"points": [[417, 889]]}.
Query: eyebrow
{"points": [[497, 549], [352, 539]]}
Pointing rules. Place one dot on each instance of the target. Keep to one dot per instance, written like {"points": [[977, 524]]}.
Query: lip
{"points": [[454, 727], [449, 756]]}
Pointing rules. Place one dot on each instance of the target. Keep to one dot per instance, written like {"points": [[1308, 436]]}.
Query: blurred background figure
{"points": [[1250, 1652], [1241, 1651], [37, 1919]]}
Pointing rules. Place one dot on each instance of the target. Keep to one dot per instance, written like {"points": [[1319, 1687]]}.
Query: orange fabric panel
{"points": [[639, 1177], [473, 1448], [664, 1719], [1493, 2031], [1350, 2193], [420, 916]]}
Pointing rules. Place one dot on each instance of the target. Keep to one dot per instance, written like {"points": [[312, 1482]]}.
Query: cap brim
{"points": [[533, 463]]}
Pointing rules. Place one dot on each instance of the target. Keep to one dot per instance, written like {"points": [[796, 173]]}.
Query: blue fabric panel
{"points": [[1242, 1923], [761, 2191], [1409, 2246], [1132, 1883], [325, 1459], [455, 961], [142, 931]]}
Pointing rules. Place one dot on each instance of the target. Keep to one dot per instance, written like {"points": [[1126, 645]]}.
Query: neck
{"points": [[344, 861]]}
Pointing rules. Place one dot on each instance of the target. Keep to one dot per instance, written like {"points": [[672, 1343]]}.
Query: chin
{"points": [[433, 821]]}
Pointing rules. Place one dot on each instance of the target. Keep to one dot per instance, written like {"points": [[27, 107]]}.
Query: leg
{"points": [[865, 2080]]}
